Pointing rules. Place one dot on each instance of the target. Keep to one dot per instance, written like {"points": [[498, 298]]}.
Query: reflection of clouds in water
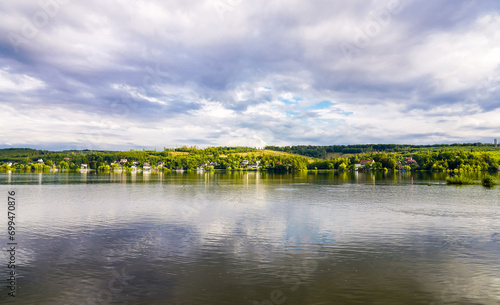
{"points": [[484, 236], [47, 255], [313, 235], [466, 288], [297, 265], [260, 240]]}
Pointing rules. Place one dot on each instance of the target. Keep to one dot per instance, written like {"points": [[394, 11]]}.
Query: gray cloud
{"points": [[186, 63]]}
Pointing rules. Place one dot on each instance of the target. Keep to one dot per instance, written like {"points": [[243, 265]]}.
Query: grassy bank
{"points": [[459, 180]]}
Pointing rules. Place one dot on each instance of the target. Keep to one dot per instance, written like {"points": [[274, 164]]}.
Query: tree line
{"points": [[322, 152], [459, 160], [431, 158], [188, 158]]}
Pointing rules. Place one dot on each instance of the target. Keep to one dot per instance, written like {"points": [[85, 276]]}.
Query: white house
{"points": [[366, 162], [362, 164], [253, 166]]}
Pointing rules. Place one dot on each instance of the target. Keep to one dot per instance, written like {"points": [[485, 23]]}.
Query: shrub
{"points": [[488, 180]]}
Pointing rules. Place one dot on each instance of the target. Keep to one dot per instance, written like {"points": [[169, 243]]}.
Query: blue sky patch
{"points": [[287, 101], [321, 105]]}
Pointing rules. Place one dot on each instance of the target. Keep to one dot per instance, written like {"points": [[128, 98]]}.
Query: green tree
{"points": [[63, 165]]}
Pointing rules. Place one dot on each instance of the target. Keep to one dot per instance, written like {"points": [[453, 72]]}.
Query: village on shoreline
{"points": [[455, 158], [125, 165]]}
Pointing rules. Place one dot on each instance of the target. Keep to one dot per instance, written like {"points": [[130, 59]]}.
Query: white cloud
{"points": [[214, 110], [459, 60], [12, 82]]}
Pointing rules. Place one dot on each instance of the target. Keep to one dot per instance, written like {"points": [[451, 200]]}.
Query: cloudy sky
{"points": [[151, 74]]}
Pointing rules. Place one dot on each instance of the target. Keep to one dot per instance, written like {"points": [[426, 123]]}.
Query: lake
{"points": [[251, 238]]}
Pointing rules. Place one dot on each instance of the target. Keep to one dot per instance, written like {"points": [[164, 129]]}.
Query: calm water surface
{"points": [[252, 238]]}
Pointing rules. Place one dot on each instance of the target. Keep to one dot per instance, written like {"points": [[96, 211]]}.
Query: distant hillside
{"points": [[21, 154], [327, 152], [18, 154], [311, 151], [184, 158]]}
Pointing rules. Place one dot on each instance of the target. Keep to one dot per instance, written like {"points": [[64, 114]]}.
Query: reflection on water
{"points": [[234, 177], [254, 238]]}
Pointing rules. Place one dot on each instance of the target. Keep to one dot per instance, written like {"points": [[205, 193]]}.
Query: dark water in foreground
{"points": [[251, 238]]}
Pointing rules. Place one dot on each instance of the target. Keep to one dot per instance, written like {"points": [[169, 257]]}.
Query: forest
{"points": [[379, 157], [324, 152]]}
